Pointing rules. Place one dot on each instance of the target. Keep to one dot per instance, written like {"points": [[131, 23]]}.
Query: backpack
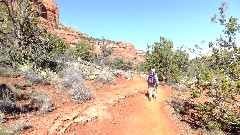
{"points": [[151, 78]]}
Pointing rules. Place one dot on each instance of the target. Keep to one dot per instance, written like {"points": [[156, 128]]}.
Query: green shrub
{"points": [[121, 64], [141, 68], [84, 51], [103, 58], [36, 75], [32, 44], [3, 133], [170, 64], [217, 78]]}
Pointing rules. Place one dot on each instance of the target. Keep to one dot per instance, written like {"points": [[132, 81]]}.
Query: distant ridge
{"points": [[50, 20]]}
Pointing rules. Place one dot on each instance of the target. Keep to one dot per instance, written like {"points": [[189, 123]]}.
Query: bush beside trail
{"points": [[212, 80]]}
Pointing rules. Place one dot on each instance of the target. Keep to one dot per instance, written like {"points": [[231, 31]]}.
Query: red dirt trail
{"points": [[121, 109]]}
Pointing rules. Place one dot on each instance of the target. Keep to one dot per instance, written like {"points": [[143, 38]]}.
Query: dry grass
{"points": [[16, 128], [42, 100], [71, 78]]}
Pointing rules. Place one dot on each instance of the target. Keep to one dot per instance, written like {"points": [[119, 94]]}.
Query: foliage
{"points": [[169, 64], [84, 51], [218, 77], [105, 50], [35, 74], [55, 49], [103, 58], [140, 68], [18, 29], [21, 38], [121, 64]]}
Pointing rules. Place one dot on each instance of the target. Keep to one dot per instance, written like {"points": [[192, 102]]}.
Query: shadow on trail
{"points": [[147, 94]]}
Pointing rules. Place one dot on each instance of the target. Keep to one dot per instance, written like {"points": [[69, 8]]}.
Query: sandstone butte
{"points": [[50, 19]]}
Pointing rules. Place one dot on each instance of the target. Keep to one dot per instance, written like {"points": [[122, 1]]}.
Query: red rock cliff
{"points": [[49, 13], [50, 19]]}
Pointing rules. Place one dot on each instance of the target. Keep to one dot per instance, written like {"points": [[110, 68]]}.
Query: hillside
{"points": [[58, 80], [50, 20]]}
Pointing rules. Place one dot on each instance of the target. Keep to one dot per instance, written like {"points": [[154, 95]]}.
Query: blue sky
{"points": [[142, 22]]}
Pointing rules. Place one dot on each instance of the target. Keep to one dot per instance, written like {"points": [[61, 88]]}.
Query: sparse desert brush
{"points": [[162, 83], [2, 115], [105, 77], [8, 98], [42, 100], [16, 128], [46, 107], [117, 73], [10, 91], [128, 75], [180, 88], [36, 75], [98, 73], [8, 72], [184, 89], [178, 106], [72, 80], [24, 96], [174, 87], [22, 86], [2, 132]]}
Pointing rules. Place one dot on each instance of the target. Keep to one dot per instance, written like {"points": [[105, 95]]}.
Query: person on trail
{"points": [[153, 83]]}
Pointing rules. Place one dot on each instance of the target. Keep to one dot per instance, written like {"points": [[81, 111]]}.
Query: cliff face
{"points": [[49, 13], [50, 19]]}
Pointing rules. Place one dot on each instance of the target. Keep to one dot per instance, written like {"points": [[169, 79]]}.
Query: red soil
{"points": [[121, 109]]}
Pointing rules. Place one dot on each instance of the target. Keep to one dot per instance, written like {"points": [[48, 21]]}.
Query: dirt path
{"points": [[121, 109], [131, 114]]}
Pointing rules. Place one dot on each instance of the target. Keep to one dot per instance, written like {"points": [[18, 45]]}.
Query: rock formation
{"points": [[49, 13], [50, 19]]}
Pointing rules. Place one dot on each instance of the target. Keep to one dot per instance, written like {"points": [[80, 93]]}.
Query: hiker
{"points": [[152, 84]]}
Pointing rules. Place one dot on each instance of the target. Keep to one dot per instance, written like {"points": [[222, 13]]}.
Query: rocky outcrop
{"points": [[125, 50], [120, 49], [50, 19], [49, 13]]}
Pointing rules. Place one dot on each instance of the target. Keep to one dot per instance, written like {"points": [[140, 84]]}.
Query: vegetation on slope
{"points": [[44, 58]]}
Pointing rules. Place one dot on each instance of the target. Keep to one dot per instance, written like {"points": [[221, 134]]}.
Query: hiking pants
{"points": [[152, 90]]}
